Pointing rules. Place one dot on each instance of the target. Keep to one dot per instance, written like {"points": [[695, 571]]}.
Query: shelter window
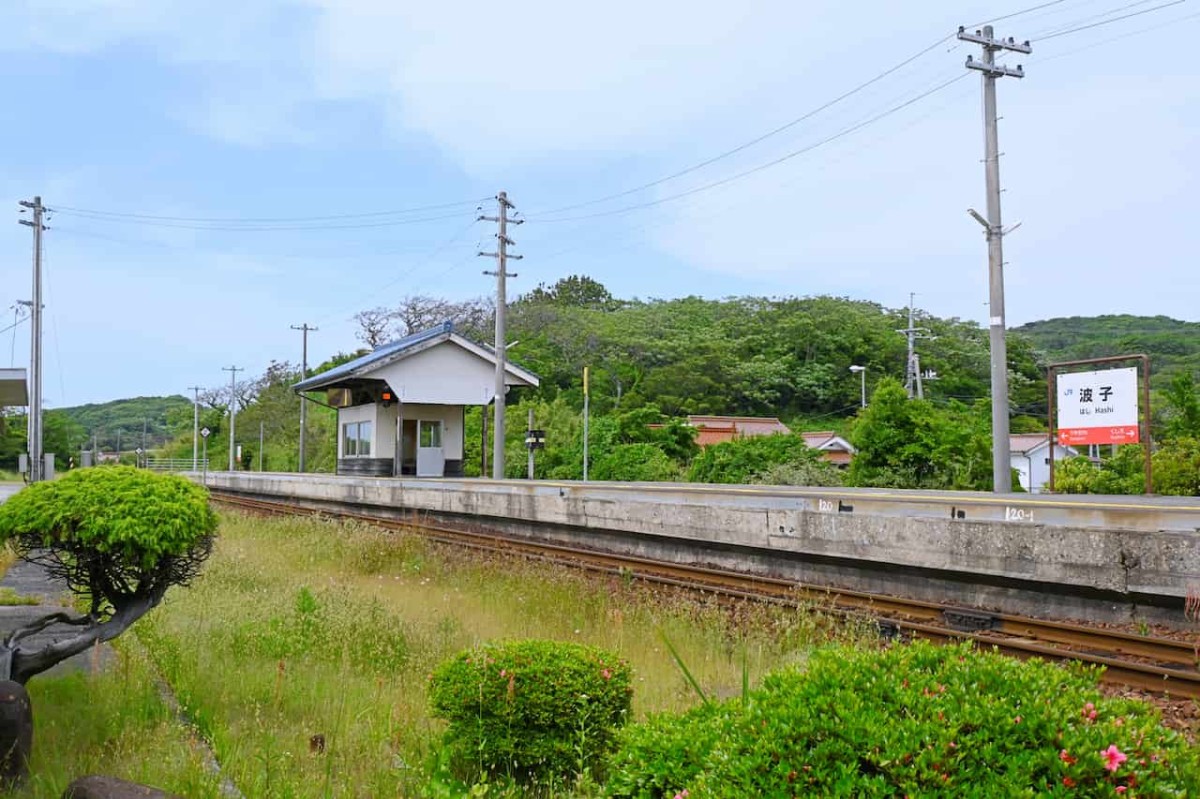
{"points": [[431, 434], [356, 439]]}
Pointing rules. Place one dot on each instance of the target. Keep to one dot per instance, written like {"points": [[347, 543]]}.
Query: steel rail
{"points": [[1155, 667]]}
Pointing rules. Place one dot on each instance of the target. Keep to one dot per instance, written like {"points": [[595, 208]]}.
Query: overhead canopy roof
{"points": [[14, 389], [365, 366]]}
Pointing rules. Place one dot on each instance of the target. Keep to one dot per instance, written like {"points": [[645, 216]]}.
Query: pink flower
{"points": [[1065, 757], [1017, 720], [503, 672], [1113, 757], [1120, 789], [606, 674], [682, 794]]}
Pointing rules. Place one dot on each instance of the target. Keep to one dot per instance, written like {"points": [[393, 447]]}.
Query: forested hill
{"points": [[158, 414], [1173, 345], [788, 357]]}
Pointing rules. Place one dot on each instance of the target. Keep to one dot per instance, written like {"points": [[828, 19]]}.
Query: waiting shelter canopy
{"points": [[14, 388]]}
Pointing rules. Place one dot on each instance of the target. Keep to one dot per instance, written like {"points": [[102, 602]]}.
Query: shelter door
{"points": [[431, 459]]}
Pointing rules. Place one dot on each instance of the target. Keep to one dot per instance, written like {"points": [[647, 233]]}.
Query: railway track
{"points": [[1159, 665]]}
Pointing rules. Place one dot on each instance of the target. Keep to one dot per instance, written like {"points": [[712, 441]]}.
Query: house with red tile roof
{"points": [[719, 429], [833, 448]]}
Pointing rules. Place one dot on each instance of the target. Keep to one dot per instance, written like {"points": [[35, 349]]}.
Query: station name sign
{"points": [[1098, 407]]}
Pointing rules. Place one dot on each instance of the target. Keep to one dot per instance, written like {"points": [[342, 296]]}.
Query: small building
{"points": [[401, 408], [719, 429], [833, 448], [1029, 454]]}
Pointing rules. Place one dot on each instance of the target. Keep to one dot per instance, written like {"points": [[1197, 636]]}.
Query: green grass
{"points": [[300, 628], [110, 722], [8, 596]]}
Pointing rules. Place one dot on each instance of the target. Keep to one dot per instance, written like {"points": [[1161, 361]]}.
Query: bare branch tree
{"points": [[374, 325]]}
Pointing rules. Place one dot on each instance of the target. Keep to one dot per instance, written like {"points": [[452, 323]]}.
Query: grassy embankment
{"points": [[304, 628]]}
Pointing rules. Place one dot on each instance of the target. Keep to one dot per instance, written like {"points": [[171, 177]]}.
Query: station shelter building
{"points": [[401, 408]]}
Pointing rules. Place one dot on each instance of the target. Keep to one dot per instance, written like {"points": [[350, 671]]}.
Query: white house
{"points": [[401, 408], [1030, 456]]}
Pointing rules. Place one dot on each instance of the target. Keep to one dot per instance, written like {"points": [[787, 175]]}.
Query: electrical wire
{"points": [[257, 228], [788, 125], [421, 263], [869, 143], [1151, 10], [1112, 39], [775, 162], [758, 139], [341, 255], [13, 327], [265, 219], [1074, 23], [62, 390]]}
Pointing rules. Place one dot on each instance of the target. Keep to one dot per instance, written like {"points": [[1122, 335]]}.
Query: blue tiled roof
{"points": [[378, 354]]}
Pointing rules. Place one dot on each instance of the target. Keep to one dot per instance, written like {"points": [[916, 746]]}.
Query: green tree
{"points": [[910, 443], [1183, 407], [575, 291]]}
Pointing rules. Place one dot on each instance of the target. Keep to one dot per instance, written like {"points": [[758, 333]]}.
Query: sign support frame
{"points": [[1144, 422]]}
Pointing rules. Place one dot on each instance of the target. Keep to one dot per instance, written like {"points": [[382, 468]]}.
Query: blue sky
{"points": [[318, 108]]}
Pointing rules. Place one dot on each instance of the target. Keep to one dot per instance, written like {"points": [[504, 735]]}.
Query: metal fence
{"points": [[176, 464]]}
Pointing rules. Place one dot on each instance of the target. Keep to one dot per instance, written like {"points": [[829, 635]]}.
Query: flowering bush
{"points": [[915, 720], [530, 710]]}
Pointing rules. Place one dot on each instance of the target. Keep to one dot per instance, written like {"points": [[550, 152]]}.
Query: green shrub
{"points": [[805, 473], [743, 459], [530, 710], [914, 720], [635, 462]]}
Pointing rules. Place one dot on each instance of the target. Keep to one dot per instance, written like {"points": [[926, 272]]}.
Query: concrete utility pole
{"points": [[233, 370], [503, 242], [195, 424], [304, 330], [1001, 461], [912, 369], [35, 338]]}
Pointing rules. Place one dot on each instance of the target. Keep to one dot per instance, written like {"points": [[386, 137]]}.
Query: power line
{"points": [[421, 263], [14, 324], [745, 145], [1117, 38], [266, 219], [862, 146], [256, 227], [1114, 19], [1101, 15], [788, 125], [754, 170], [1020, 13], [340, 256]]}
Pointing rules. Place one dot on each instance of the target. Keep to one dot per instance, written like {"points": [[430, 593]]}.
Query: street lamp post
{"points": [[862, 373]]}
